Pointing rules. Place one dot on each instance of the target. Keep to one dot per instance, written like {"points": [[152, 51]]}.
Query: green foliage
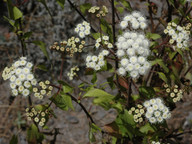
{"points": [[92, 130], [14, 140], [147, 92], [33, 135], [84, 7], [153, 36], [161, 63], [146, 128], [42, 47], [106, 28], [42, 67]]}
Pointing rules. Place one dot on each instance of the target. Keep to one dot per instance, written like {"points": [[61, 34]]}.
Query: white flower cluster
{"points": [[83, 29], [20, 76], [44, 89], [179, 35], [157, 112], [154, 142], [137, 113], [96, 62], [175, 93], [136, 20], [72, 72], [104, 41], [133, 49]]}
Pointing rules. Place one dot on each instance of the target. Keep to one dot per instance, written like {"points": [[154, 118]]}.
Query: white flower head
{"points": [[123, 24], [121, 71]]}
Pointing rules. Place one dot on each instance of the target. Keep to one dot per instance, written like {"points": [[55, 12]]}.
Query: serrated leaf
{"points": [[96, 35], [66, 87], [42, 47]]}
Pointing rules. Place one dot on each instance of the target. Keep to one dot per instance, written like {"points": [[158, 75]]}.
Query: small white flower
{"points": [[25, 70], [97, 67], [12, 85], [124, 62], [152, 120], [30, 76], [18, 71], [29, 65], [129, 67], [81, 34], [27, 84], [136, 14], [128, 18], [94, 58], [18, 81], [141, 59], [88, 59], [126, 35], [123, 24], [134, 74], [25, 92], [105, 38], [14, 92], [131, 51], [34, 82], [137, 66], [13, 78], [146, 104], [22, 77], [92, 64], [23, 62], [101, 63], [143, 25], [16, 64], [21, 88], [121, 71], [105, 52], [133, 59]]}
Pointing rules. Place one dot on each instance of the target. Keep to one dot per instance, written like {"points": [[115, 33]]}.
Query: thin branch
{"points": [[73, 6]]}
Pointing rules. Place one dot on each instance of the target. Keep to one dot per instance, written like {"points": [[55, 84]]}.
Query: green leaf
{"points": [[96, 35], [126, 4], [66, 87], [161, 63], [61, 3], [84, 7], [42, 47], [92, 130], [135, 97], [148, 92], [163, 77], [33, 136], [63, 101], [111, 82], [17, 14], [42, 67], [106, 28], [14, 140], [94, 78], [11, 22], [98, 93], [146, 128], [101, 98], [153, 36], [120, 9], [27, 35], [126, 124], [68, 101]]}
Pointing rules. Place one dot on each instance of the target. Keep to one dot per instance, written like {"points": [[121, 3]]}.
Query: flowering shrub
{"points": [[148, 70]]}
